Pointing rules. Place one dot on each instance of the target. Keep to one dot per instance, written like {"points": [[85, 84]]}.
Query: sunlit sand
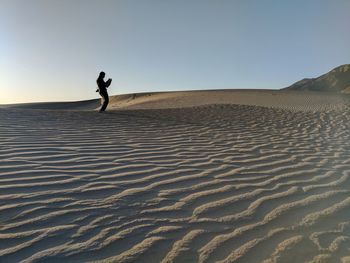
{"points": [[201, 176]]}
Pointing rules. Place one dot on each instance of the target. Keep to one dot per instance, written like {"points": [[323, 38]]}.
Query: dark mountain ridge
{"points": [[336, 80]]}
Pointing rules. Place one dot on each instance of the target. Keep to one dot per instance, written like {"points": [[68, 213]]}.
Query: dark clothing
{"points": [[105, 97], [102, 85]]}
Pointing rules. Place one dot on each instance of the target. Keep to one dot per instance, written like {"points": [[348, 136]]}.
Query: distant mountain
{"points": [[337, 80]]}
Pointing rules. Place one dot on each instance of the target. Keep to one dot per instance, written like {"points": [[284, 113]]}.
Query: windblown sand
{"points": [[210, 183]]}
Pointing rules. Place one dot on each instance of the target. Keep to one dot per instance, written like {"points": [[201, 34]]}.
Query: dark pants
{"points": [[105, 98]]}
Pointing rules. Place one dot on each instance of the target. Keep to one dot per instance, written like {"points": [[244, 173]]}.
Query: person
{"points": [[102, 89]]}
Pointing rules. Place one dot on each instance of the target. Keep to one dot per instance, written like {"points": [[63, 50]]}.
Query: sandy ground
{"points": [[242, 176]]}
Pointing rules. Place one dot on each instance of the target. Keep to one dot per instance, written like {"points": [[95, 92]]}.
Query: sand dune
{"points": [[256, 176], [81, 105], [282, 99]]}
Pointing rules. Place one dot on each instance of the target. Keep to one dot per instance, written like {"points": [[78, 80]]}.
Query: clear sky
{"points": [[53, 50]]}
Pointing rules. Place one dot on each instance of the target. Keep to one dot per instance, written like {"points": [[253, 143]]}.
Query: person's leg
{"points": [[105, 101], [102, 101]]}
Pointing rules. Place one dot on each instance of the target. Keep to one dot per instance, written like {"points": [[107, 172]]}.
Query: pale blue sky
{"points": [[53, 50]]}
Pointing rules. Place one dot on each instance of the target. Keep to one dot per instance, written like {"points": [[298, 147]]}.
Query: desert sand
{"points": [[202, 176]]}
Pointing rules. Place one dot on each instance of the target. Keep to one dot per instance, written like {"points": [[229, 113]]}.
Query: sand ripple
{"points": [[225, 183]]}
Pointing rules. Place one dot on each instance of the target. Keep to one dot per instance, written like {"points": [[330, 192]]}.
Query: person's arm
{"points": [[108, 83]]}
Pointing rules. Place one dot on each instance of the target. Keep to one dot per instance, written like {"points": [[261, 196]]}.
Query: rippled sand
{"points": [[226, 183]]}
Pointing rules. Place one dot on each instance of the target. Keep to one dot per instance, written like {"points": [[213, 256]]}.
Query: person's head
{"points": [[102, 74]]}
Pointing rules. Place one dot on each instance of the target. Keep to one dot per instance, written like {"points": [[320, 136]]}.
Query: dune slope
{"points": [[215, 183], [291, 100]]}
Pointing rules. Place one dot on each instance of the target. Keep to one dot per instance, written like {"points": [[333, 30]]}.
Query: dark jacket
{"points": [[102, 85]]}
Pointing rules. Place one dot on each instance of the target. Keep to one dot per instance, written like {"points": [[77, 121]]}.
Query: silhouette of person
{"points": [[102, 89]]}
